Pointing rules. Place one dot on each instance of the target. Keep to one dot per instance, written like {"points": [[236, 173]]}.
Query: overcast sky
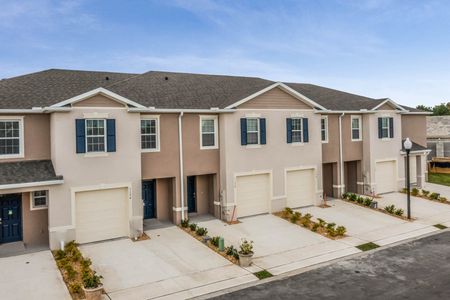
{"points": [[377, 48]]}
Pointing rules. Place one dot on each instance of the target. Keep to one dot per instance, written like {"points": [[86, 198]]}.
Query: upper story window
{"points": [[95, 135], [39, 200], [385, 128], [253, 131], [208, 132], [297, 130], [150, 134], [11, 138], [356, 128], [324, 129]]}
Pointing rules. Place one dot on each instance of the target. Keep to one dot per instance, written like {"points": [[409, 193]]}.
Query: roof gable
{"points": [[99, 100], [275, 98]]}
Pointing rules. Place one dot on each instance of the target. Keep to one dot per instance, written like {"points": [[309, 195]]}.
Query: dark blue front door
{"points": [[11, 218], [149, 195], [191, 194]]}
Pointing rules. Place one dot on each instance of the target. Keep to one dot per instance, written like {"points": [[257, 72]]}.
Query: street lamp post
{"points": [[408, 145]]}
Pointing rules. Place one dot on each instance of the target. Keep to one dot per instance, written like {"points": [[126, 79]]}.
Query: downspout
{"points": [[180, 141], [341, 160]]}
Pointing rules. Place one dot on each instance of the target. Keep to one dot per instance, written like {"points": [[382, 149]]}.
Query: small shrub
{"points": [[415, 191], [341, 230], [307, 216], [399, 212], [60, 254], [295, 217], [62, 263], [322, 222], [231, 251], [246, 247], [201, 231], [92, 280], [425, 193], [345, 195], [434, 196], [185, 223], [331, 229], [442, 199], [390, 209], [215, 241], [288, 211], [315, 227], [85, 263], [193, 226], [75, 288], [360, 200], [367, 201], [353, 197], [70, 271], [76, 256]]}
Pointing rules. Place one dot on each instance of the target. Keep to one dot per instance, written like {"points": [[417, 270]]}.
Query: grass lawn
{"points": [[439, 178], [367, 246], [263, 274]]}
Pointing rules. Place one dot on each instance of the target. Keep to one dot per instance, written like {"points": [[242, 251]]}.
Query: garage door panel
{"points": [[101, 215], [300, 188], [252, 194], [385, 177]]}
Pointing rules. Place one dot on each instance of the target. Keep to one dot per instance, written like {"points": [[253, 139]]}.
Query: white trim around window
{"points": [[215, 131], [155, 118], [41, 197], [324, 129], [95, 136], [359, 128], [21, 153]]}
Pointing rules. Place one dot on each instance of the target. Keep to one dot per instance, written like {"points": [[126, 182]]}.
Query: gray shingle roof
{"points": [[52, 86], [188, 91], [415, 147], [160, 89], [27, 171]]}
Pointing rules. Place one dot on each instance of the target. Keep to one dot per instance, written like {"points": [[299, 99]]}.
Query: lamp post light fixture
{"points": [[408, 145]]}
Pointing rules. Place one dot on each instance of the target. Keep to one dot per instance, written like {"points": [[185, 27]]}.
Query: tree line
{"points": [[442, 109]]}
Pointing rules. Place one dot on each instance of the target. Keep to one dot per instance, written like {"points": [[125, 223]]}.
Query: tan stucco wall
{"points": [[120, 168], [274, 157], [36, 129], [415, 127], [205, 194], [275, 99], [164, 198], [35, 223], [386, 106], [98, 101]]}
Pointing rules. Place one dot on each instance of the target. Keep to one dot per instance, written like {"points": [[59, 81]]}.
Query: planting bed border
{"points": [[381, 210], [209, 245], [427, 198], [298, 223]]}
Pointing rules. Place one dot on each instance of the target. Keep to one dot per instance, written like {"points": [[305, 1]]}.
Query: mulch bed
{"points": [[428, 198], [143, 237], [379, 210]]}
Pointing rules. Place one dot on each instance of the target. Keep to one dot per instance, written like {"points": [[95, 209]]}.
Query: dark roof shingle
{"points": [[27, 171]]}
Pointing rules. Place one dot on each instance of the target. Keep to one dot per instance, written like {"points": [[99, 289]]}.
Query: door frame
{"points": [[20, 196], [190, 185], [155, 211]]}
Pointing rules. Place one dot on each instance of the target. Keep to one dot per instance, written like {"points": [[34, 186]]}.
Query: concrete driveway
{"points": [[365, 225], [171, 264], [31, 276], [425, 211], [279, 246]]}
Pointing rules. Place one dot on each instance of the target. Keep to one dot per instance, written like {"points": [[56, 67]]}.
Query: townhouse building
{"points": [[90, 156]]}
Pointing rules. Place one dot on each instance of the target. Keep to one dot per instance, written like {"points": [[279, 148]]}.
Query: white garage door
{"points": [[101, 215], [252, 194], [300, 188], [385, 177], [413, 169]]}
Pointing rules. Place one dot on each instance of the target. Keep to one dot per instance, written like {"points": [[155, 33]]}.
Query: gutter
{"points": [[180, 141], [341, 160], [173, 110], [30, 184]]}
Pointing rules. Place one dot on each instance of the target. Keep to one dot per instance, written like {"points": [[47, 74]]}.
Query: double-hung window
{"points": [[208, 132], [95, 135], [252, 131], [297, 129], [39, 200], [356, 128], [11, 138], [385, 127], [150, 134], [324, 129]]}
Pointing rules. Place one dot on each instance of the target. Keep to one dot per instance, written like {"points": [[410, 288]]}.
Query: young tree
{"points": [[441, 110], [424, 108]]}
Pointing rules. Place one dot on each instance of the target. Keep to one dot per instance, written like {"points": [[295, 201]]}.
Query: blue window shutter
{"points": [[262, 131], [391, 127], [111, 135], [243, 131], [380, 128], [305, 130], [289, 130], [80, 135]]}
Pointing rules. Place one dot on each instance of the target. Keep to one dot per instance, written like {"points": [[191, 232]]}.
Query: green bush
{"points": [[201, 231], [70, 271], [288, 210], [62, 263], [246, 247], [315, 227], [442, 199], [425, 193], [367, 201], [215, 241], [434, 196], [60, 254], [322, 222], [353, 197], [399, 212], [92, 280], [415, 192], [295, 217], [231, 251], [86, 262], [360, 199], [345, 195], [390, 209], [193, 226], [185, 223], [341, 230], [75, 288]]}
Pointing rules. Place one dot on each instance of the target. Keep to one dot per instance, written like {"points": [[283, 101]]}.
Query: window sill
{"points": [[386, 139], [39, 208], [298, 144], [358, 140], [324, 142], [255, 146], [96, 154], [8, 156], [149, 150], [209, 148]]}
